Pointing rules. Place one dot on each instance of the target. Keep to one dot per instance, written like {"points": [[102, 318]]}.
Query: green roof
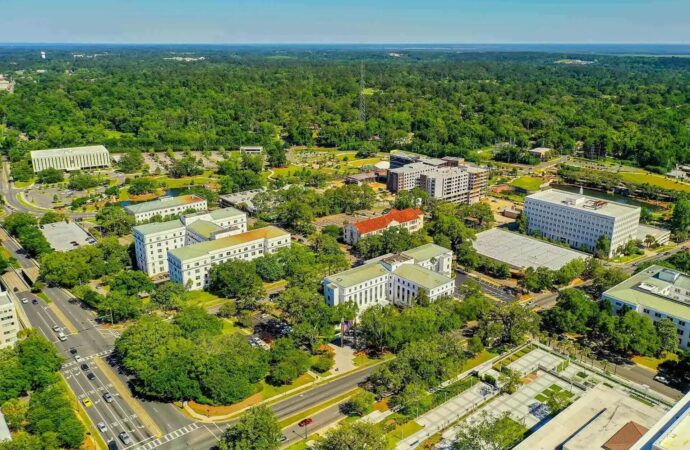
{"points": [[426, 252], [204, 228], [158, 227], [358, 275], [204, 248], [224, 213], [629, 291], [164, 202], [421, 276]]}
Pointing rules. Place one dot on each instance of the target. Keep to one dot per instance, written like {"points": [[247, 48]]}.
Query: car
{"points": [[661, 379], [87, 402], [73, 350], [91, 376], [283, 438], [34, 301], [78, 358], [25, 300], [84, 367], [112, 445], [102, 427], [56, 328], [124, 437], [62, 336], [108, 398]]}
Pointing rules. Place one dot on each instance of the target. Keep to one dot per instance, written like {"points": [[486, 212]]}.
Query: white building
{"points": [[412, 219], [450, 180], [76, 158], [658, 293], [166, 206], [252, 149], [190, 265], [152, 241], [449, 183], [579, 220], [9, 324], [396, 279], [671, 432]]}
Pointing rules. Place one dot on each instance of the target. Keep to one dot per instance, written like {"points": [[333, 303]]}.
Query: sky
{"points": [[345, 21]]}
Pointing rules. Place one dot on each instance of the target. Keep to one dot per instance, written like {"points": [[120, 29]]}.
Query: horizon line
{"points": [[342, 43]]}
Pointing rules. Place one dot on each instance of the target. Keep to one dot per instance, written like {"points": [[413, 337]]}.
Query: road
{"points": [[498, 292]]}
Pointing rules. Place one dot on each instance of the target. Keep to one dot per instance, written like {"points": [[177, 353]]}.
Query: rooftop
{"points": [[426, 252], [651, 288], [204, 228], [520, 251], [592, 205], [626, 437], [540, 150], [382, 222], [72, 151], [207, 247], [159, 227], [422, 276], [65, 236], [164, 202], [358, 274], [672, 432], [4, 298], [412, 168]]}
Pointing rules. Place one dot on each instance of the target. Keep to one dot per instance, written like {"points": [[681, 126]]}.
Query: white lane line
{"points": [[171, 436], [97, 411]]}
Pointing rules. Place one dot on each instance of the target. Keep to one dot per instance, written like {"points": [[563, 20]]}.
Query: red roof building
{"points": [[412, 219], [626, 437]]}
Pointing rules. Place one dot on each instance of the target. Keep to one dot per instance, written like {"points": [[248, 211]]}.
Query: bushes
{"points": [[323, 362]]}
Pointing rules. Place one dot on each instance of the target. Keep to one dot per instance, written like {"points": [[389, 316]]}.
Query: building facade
{"points": [[166, 206], [152, 241], [658, 293], [9, 324], [76, 158], [412, 219], [449, 184], [398, 279], [407, 177], [190, 265], [579, 220]]}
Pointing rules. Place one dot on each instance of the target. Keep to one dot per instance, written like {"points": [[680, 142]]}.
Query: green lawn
{"points": [[653, 363], [363, 360], [231, 328], [43, 297], [401, 432], [24, 184], [268, 391], [203, 299], [527, 183], [482, 357], [654, 180], [173, 183]]}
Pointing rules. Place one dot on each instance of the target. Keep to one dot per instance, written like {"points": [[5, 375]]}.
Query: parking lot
{"points": [[64, 236]]}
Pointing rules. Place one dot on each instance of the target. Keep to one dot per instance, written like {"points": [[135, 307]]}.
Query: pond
{"points": [[605, 196], [173, 192]]}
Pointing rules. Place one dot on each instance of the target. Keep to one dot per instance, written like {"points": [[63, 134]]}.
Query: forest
{"points": [[631, 108]]}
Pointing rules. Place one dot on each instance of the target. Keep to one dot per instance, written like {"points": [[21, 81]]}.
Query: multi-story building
{"points": [[190, 265], [579, 220], [412, 219], [152, 241], [9, 325], [397, 279], [478, 183], [407, 177], [76, 158], [450, 184], [166, 206], [658, 293]]}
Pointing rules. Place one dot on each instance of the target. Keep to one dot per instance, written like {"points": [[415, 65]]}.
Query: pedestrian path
{"points": [[175, 434]]}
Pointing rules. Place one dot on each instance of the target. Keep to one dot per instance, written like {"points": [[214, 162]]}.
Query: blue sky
{"points": [[353, 21]]}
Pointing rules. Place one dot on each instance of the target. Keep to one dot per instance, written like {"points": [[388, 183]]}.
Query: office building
{"points": [[671, 432], [412, 219], [658, 293], [407, 177], [190, 265], [166, 207], [579, 220], [398, 279], [152, 241], [253, 150], [77, 158], [9, 324]]}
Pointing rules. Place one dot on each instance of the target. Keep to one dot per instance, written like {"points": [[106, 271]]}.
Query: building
{"points": [[407, 177], [377, 175], [77, 158], [580, 220], [252, 150], [190, 265], [152, 241], [5, 434], [166, 207], [242, 200], [411, 219], [9, 324], [658, 293], [671, 432], [520, 251], [542, 153], [397, 279]]}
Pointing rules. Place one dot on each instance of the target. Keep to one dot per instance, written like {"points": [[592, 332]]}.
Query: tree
{"points": [[680, 221], [52, 217], [17, 221], [50, 176], [237, 279], [602, 247], [475, 346], [15, 410], [510, 380], [604, 278], [508, 324], [131, 282], [269, 267], [186, 167], [115, 220], [194, 321], [413, 400], [227, 309], [668, 335], [34, 242], [131, 161], [489, 433], [258, 429], [287, 362], [139, 186], [557, 400], [168, 295], [354, 436]]}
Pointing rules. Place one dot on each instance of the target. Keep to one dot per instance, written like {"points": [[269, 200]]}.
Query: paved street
{"points": [[498, 292]]}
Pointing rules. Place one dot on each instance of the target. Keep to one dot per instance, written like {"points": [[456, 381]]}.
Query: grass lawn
{"points": [[173, 183], [230, 328], [275, 285], [527, 183], [363, 360], [626, 259], [653, 363], [269, 391], [203, 299], [401, 432], [363, 162], [540, 398], [311, 411], [24, 184], [654, 180], [43, 297], [477, 360]]}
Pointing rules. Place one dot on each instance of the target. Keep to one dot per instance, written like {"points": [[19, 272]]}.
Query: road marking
{"points": [[175, 434], [86, 358], [63, 318]]}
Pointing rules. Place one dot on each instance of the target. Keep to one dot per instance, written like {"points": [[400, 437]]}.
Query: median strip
{"points": [[120, 387], [63, 318], [318, 408]]}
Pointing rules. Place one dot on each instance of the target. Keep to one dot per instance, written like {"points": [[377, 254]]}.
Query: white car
{"points": [[25, 300], [62, 336], [102, 427], [78, 358], [661, 379], [56, 328]]}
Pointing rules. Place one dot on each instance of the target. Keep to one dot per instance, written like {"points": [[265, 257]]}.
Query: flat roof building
{"points": [[75, 158], [9, 324], [579, 220], [520, 251], [671, 432], [242, 200], [396, 279], [190, 265], [656, 292], [166, 206]]}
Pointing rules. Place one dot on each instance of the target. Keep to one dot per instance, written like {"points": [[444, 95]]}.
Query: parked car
{"points": [[34, 301], [25, 300], [56, 328], [661, 379], [73, 350]]}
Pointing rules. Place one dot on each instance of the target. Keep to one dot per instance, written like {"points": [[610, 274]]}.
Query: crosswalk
{"points": [[67, 365], [168, 437]]}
